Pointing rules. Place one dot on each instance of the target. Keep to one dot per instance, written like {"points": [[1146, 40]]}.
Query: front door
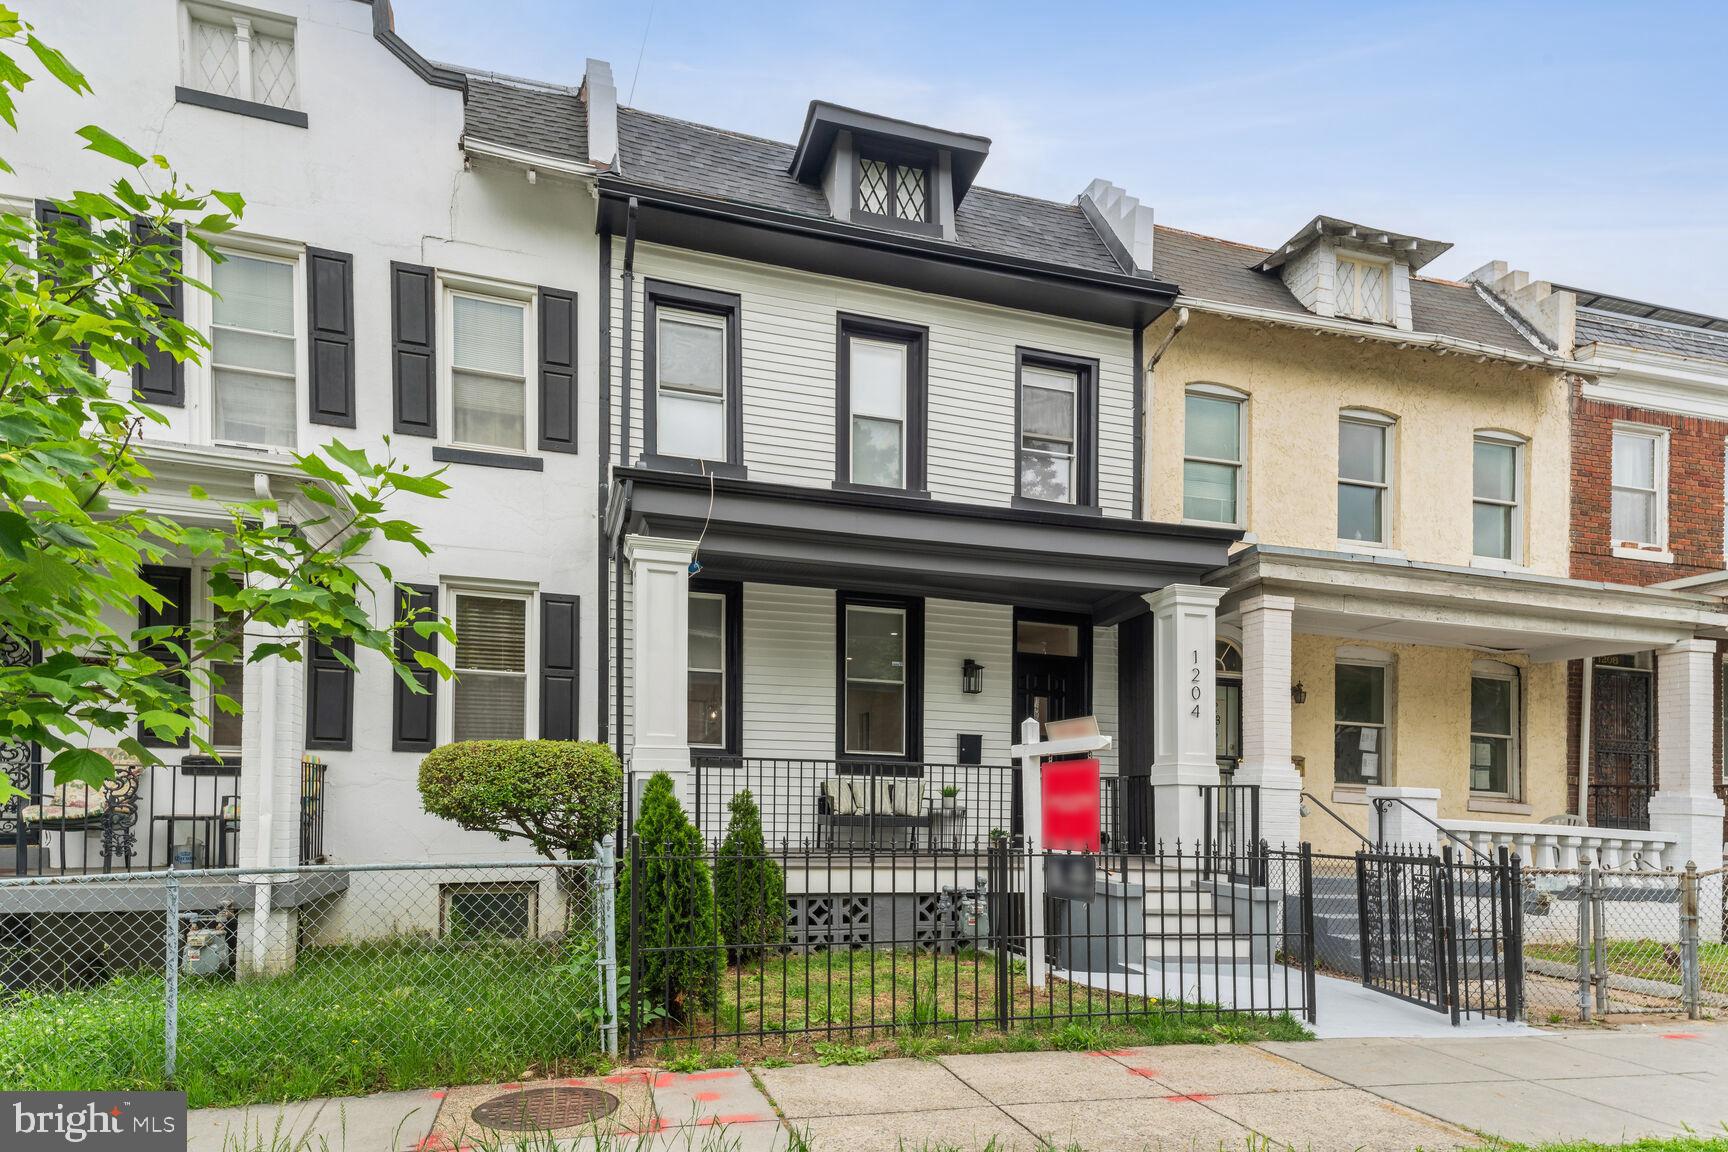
{"points": [[1229, 715], [1052, 662], [1622, 743]]}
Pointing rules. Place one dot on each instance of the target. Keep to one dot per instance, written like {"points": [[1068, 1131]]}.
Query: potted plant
{"points": [[950, 797]]}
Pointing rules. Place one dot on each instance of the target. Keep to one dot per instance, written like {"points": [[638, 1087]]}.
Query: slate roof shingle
{"points": [[549, 121], [1617, 328], [1207, 268]]}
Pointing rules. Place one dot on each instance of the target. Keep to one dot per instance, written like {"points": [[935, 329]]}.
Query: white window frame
{"points": [[1643, 549], [1496, 670], [725, 688], [1352, 311], [853, 415], [201, 313], [685, 314], [1387, 487], [904, 683], [495, 291], [246, 23], [1075, 379], [1240, 399], [1515, 542], [1387, 663], [448, 591]]}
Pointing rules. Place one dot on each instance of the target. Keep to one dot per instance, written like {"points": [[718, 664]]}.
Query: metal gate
{"points": [[1442, 931]]}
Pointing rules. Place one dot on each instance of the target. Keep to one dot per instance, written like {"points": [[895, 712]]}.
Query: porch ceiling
{"points": [[788, 534], [1395, 601]]}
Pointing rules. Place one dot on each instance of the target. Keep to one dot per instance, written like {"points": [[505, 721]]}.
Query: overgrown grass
{"points": [[347, 1020], [912, 1003], [1648, 960]]}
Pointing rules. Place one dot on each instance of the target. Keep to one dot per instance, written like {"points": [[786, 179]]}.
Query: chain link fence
{"points": [[248, 985], [1612, 942]]}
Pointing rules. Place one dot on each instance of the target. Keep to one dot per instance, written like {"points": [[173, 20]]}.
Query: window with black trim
{"points": [[881, 385], [714, 646], [1056, 429], [896, 188], [881, 656], [692, 408]]}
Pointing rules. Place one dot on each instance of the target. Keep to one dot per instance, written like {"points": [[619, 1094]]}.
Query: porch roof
{"points": [[1547, 618], [873, 542]]}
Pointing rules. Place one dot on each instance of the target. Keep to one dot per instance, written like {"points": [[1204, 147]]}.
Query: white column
{"points": [[659, 646], [1266, 761], [1396, 825], [1184, 708], [272, 741], [1685, 805]]}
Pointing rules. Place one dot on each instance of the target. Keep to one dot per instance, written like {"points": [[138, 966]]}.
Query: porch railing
{"points": [[1230, 832], [1559, 846], [1621, 805]]}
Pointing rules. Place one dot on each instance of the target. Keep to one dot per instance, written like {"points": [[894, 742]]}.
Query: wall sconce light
{"points": [[971, 677], [1298, 694]]}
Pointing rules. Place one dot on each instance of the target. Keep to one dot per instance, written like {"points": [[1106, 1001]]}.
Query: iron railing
{"points": [[1230, 832]]}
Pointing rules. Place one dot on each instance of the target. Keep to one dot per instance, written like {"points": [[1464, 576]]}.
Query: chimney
{"points": [[601, 97], [1122, 222], [1549, 312]]}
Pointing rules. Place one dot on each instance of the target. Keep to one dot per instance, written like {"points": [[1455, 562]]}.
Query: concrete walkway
{"points": [[1340, 1095]]}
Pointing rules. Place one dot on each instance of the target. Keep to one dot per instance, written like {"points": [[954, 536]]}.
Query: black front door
{"points": [[1622, 745], [1052, 668]]}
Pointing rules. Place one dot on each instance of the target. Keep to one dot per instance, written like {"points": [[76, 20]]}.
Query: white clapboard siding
{"points": [[789, 327], [788, 694], [953, 631], [1104, 703]]}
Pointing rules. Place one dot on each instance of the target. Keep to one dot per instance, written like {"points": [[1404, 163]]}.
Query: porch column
{"points": [[1685, 804], [1266, 762], [272, 740], [659, 646], [1184, 708]]}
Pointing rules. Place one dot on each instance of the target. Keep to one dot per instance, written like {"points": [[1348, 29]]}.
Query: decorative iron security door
{"points": [[1442, 931], [18, 760]]}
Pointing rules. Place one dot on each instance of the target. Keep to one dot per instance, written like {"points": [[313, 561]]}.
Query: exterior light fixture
{"points": [[1298, 694], [971, 676]]}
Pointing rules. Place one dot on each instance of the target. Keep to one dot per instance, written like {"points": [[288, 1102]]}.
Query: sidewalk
{"points": [[1326, 1096]]}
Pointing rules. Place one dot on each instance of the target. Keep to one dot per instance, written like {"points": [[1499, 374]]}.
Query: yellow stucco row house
{"points": [[1399, 624]]}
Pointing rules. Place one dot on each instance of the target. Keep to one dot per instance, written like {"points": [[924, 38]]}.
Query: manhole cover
{"points": [[544, 1109]]}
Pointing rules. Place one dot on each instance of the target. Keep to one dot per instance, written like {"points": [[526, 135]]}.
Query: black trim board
{"points": [[726, 305], [384, 31], [602, 489], [732, 593], [913, 718], [292, 117], [879, 256], [916, 448], [445, 454]]}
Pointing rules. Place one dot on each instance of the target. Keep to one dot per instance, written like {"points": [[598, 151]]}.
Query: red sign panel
{"points": [[1070, 797]]}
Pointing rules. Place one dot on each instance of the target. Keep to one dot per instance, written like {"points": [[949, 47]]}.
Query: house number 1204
{"points": [[1195, 691]]}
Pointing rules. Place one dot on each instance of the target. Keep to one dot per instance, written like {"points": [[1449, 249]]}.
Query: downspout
{"points": [[1142, 374], [603, 441], [626, 347]]}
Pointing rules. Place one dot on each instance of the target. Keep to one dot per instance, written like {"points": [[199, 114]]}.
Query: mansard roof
{"points": [[1608, 319], [1225, 272]]}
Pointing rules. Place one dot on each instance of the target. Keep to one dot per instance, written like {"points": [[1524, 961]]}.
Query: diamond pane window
{"points": [[215, 58], [273, 74], [873, 186], [909, 192], [241, 56], [1359, 289]]}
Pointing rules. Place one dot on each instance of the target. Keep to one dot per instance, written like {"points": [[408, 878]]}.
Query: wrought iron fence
{"points": [[1604, 942], [854, 943], [248, 985]]}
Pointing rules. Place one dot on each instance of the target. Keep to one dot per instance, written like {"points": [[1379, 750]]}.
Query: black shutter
{"points": [[161, 379], [175, 586], [329, 696], [413, 335], [560, 656], [557, 371], [53, 219], [415, 727], [330, 321]]}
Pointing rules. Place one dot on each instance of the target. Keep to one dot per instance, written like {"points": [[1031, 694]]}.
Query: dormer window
{"points": [[895, 189], [239, 61], [1359, 288]]}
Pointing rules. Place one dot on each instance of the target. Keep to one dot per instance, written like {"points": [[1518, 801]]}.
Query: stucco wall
{"points": [[1297, 382], [1429, 707]]}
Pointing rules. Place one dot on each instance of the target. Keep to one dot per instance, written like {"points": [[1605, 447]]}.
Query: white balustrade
{"points": [[1562, 846]]}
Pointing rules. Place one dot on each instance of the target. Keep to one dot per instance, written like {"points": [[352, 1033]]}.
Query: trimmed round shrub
{"points": [[748, 886], [678, 957], [561, 796]]}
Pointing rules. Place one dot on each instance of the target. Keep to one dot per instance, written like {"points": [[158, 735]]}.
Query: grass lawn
{"points": [[348, 1020], [1648, 960], [916, 1003]]}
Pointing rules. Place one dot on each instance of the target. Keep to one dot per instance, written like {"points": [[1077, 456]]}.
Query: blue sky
{"points": [[1586, 142]]}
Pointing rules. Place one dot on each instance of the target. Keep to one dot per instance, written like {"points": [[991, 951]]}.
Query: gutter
{"points": [[1432, 341], [533, 161]]}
